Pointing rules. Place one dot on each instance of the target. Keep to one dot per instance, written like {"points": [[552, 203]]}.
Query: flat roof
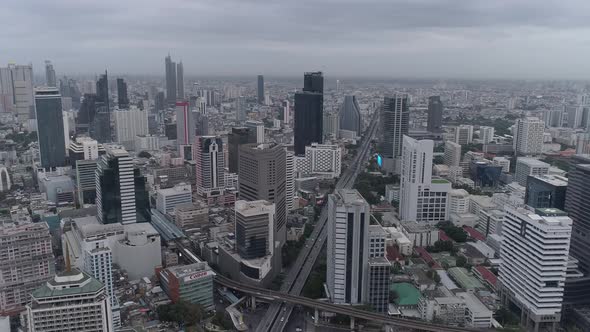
{"points": [[407, 293], [531, 162], [555, 180]]}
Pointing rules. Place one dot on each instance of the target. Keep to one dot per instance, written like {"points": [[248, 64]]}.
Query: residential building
{"points": [[528, 136], [324, 160], [486, 134], [128, 124], [394, 121], [309, 112], [504, 162], [452, 153], [529, 166], [350, 115], [347, 248], [290, 180], [546, 191], [185, 124], [191, 217], [435, 114], [85, 148], [331, 125], [464, 134], [168, 198], [191, 283], [52, 148], [241, 108], [16, 84]]}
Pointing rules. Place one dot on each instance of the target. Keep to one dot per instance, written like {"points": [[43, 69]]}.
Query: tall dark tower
{"points": [[170, 81], [122, 96], [435, 111], [260, 89], [309, 112], [101, 126], [52, 146], [394, 121], [180, 81]]}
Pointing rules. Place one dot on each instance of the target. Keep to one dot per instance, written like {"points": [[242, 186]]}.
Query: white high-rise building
{"points": [[464, 134], [504, 162], [486, 134], [168, 198], [535, 252], [422, 198], [528, 136], [324, 160], [258, 127], [348, 247], [452, 153], [290, 183], [128, 124], [529, 166], [458, 201], [286, 112], [16, 91]]}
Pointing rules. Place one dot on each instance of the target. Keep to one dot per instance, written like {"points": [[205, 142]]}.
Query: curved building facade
{"points": [[350, 115], [5, 183]]}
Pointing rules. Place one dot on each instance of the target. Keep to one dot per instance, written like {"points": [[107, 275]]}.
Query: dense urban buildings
{"points": [[309, 112]]}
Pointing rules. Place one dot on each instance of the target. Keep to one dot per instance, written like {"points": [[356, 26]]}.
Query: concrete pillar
{"points": [[253, 302], [316, 316], [352, 323]]}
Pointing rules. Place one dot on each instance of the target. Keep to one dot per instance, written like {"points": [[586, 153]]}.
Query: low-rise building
{"points": [[192, 283]]}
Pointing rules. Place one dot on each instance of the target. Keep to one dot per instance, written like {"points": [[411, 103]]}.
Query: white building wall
{"points": [[129, 124]]}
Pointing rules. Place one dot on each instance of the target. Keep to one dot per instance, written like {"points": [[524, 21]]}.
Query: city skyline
{"points": [[402, 39]]}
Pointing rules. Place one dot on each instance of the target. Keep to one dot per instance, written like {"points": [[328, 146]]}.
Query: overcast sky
{"points": [[365, 38]]}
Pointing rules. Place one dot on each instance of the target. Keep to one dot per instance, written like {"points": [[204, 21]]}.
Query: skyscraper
{"points": [[348, 247], [16, 91], [122, 96], [254, 228], [101, 126], [528, 136], [546, 191], [290, 184], [256, 130], [262, 175], [237, 137], [452, 153], [577, 206], [435, 113], [52, 149], [171, 93], [185, 124], [86, 114], [208, 154], [534, 262], [130, 123], [50, 78], [309, 112], [350, 115], [121, 196], [241, 108], [180, 81], [394, 122], [260, 89]]}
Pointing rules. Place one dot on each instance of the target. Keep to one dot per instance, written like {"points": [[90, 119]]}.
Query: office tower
{"points": [[191, 217], [309, 110], [323, 160], [290, 180], [528, 136], [27, 262], [504, 162], [180, 81], [379, 269], [262, 176], [435, 114], [160, 101], [529, 166], [237, 137], [577, 206], [486, 134], [101, 126], [553, 118], [286, 112], [394, 121], [129, 124], [86, 114], [70, 301], [331, 125], [168, 198], [534, 263], [190, 283], [208, 154], [202, 124], [86, 181], [16, 91], [254, 222], [452, 153], [348, 248], [121, 196], [422, 198], [170, 81], [260, 89], [185, 124], [241, 108], [5, 183], [50, 77], [122, 97], [350, 115], [546, 191], [464, 134], [52, 148], [257, 128]]}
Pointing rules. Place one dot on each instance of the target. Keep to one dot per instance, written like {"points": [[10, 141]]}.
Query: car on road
{"points": [[282, 319]]}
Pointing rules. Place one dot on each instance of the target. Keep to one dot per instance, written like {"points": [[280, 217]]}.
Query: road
{"points": [[278, 314]]}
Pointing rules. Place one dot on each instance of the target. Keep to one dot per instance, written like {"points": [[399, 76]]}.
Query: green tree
{"points": [[461, 261]]}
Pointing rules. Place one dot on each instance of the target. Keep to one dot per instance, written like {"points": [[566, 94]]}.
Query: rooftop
{"points": [[555, 180], [349, 196], [67, 284], [408, 295], [531, 162], [464, 279], [439, 181]]}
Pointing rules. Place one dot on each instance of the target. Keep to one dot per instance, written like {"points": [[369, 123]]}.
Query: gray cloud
{"points": [[394, 38]]}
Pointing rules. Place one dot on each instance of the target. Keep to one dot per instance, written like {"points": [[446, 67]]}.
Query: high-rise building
{"points": [[86, 113], [185, 124], [85, 148], [208, 154], [553, 118], [237, 137], [452, 153], [121, 196], [546, 191], [435, 114], [257, 129], [486, 134], [535, 253], [529, 166], [168, 198], [129, 123], [50, 78], [422, 198], [52, 148], [171, 93], [101, 126], [290, 182], [309, 112], [576, 205], [260, 89], [5, 183], [27, 262], [331, 125], [122, 97], [286, 112], [191, 283], [262, 176], [394, 121], [241, 108], [180, 81], [504, 162], [70, 301], [348, 247], [324, 160], [528, 136], [16, 91], [254, 228], [350, 115], [464, 134], [160, 101]]}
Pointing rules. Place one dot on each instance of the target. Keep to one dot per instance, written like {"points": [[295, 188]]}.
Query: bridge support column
{"points": [[253, 302], [316, 317], [352, 323]]}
